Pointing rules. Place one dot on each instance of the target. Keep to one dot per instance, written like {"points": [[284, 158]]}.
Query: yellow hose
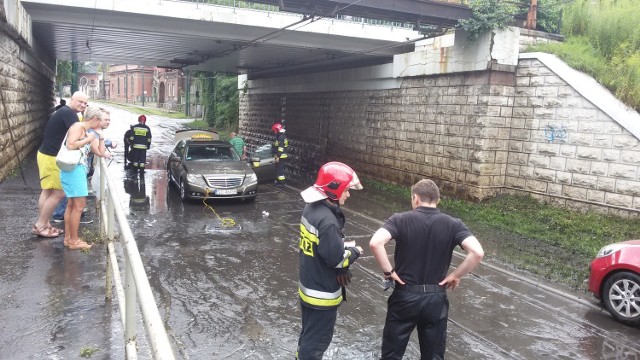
{"points": [[226, 222]]}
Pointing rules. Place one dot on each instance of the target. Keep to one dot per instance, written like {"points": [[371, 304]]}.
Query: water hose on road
{"points": [[226, 222]]}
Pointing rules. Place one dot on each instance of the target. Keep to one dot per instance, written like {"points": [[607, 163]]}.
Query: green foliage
{"points": [[487, 15], [220, 99], [227, 108], [603, 40], [578, 53], [606, 24], [581, 233], [208, 96], [63, 73], [87, 352], [549, 15]]}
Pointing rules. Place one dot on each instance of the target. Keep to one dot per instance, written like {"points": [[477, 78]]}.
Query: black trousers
{"points": [[317, 332], [138, 158], [406, 310], [280, 170]]}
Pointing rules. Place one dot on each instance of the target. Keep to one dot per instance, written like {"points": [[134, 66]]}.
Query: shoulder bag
{"points": [[67, 160]]}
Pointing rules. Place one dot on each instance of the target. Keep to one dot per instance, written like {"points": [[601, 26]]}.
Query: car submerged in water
{"points": [[615, 280], [204, 167]]}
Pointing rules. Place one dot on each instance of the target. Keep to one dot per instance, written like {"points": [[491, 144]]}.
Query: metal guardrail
{"points": [[136, 289]]}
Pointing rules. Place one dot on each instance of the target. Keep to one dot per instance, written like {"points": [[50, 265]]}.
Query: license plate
{"points": [[226, 192]]}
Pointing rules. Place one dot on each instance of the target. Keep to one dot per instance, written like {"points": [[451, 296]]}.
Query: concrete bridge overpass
{"points": [[230, 39]]}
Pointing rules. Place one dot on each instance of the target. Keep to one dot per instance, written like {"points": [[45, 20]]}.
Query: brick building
{"points": [[128, 83], [168, 87], [165, 87]]}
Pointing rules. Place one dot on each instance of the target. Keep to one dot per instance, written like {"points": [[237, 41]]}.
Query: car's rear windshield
{"points": [[211, 153]]}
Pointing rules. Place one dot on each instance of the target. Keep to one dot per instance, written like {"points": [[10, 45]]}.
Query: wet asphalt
{"points": [[230, 292]]}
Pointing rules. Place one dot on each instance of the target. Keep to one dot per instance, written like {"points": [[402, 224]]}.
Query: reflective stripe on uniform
{"points": [[281, 177], [139, 146], [308, 237], [345, 260], [320, 298]]}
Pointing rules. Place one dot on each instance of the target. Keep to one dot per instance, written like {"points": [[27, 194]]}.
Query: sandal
{"points": [[78, 245], [45, 232], [54, 229]]}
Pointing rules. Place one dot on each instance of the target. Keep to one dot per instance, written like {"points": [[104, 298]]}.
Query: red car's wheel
{"points": [[621, 297]]}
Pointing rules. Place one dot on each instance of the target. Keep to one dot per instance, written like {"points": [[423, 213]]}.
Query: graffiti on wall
{"points": [[554, 134]]}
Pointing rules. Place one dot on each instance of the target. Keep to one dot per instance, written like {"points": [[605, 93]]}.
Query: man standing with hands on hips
{"points": [[324, 257], [425, 240]]}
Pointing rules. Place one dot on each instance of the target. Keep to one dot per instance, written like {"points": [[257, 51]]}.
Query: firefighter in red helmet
{"points": [[140, 140], [324, 257], [280, 149]]}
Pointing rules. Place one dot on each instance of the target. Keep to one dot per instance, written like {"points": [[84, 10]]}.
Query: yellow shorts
{"points": [[49, 172]]}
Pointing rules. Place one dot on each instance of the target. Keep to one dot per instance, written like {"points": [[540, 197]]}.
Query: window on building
{"points": [[131, 84], [118, 86]]}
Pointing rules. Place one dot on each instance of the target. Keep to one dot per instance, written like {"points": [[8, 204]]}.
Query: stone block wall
{"points": [[26, 98], [565, 150], [477, 134], [452, 128]]}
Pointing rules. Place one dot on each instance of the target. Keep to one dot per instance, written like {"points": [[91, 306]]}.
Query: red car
{"points": [[615, 280]]}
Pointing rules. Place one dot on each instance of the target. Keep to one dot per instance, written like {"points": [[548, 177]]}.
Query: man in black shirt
{"points": [[425, 240], [54, 133]]}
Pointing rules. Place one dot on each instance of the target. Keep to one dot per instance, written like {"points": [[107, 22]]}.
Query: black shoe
{"points": [[57, 220], [84, 219]]}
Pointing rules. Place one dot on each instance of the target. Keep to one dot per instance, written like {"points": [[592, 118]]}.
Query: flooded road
{"points": [[231, 292]]}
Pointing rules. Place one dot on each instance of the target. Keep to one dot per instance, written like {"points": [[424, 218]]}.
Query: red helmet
{"points": [[277, 127], [142, 119], [333, 179]]}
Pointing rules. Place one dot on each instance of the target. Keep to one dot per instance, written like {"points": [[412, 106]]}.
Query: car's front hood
{"points": [[631, 242], [218, 168]]}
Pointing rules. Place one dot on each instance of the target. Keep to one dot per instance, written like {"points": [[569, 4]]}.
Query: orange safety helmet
{"points": [[142, 119], [333, 179], [277, 127]]}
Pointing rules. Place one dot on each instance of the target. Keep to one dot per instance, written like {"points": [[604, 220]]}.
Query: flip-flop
{"points": [[78, 245], [44, 232]]}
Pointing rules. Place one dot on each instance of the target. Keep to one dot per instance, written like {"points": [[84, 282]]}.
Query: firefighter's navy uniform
{"points": [[140, 142], [127, 147], [280, 150], [322, 257]]}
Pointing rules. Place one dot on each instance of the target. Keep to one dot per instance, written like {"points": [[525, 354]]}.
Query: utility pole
{"points": [[74, 77], [126, 83], [187, 85], [143, 92], [532, 15]]}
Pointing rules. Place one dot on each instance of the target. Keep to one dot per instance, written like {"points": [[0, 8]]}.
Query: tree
{"points": [[63, 75], [487, 15]]}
